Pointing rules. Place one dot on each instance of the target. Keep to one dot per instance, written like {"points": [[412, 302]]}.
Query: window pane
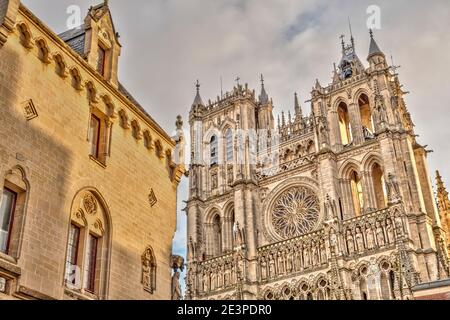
{"points": [[94, 135], [101, 60], [72, 254], [6, 215], [91, 257], [229, 139], [214, 147]]}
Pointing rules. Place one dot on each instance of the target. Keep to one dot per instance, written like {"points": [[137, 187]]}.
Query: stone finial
{"points": [[179, 123]]}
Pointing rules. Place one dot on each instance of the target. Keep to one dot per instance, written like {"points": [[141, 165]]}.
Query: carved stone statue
{"points": [[263, 268], [333, 242], [350, 243], [323, 253], [359, 240], [370, 238], [315, 257], [390, 231], [380, 234], [393, 189], [205, 281], [176, 288], [227, 276], [290, 261], [148, 270], [280, 259], [272, 271], [306, 257]]}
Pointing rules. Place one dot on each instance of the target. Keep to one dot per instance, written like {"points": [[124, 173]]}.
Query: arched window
{"points": [[366, 116], [87, 257], [357, 194], [13, 195], [363, 289], [379, 186], [229, 145], [229, 230], [344, 124], [214, 151], [385, 287], [217, 236]]}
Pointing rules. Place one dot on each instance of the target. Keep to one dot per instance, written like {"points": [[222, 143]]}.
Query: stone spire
{"points": [[374, 49], [442, 194], [263, 97], [298, 108], [198, 100]]}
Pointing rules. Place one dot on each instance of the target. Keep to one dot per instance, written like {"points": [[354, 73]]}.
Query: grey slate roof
{"points": [[75, 38], [374, 48], [198, 100]]}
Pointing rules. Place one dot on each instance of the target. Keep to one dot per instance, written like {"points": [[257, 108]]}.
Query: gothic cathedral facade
{"points": [[341, 206]]}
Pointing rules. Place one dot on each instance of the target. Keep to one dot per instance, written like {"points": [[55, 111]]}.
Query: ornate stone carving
{"points": [[149, 270], [177, 266], [295, 212], [152, 198], [29, 110], [90, 203]]}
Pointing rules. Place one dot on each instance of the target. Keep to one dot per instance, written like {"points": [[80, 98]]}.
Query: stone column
{"points": [[355, 121], [347, 199], [335, 134]]}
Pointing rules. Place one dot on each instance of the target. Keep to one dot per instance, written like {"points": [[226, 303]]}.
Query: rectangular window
{"points": [[7, 208], [94, 136], [91, 257], [101, 60], [72, 254]]}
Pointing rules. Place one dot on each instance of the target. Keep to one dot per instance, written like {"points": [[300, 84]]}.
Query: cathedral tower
{"points": [[337, 204]]}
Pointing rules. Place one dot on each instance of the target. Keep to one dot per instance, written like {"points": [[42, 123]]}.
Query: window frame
{"points": [[98, 132], [12, 211], [90, 263], [103, 60], [77, 248]]}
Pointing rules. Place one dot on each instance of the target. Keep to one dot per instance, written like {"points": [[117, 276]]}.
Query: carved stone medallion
{"points": [[90, 204]]}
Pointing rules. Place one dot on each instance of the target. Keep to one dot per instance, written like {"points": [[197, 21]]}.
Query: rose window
{"points": [[295, 212]]}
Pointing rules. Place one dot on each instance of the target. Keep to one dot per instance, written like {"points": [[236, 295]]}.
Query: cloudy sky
{"points": [[168, 44]]}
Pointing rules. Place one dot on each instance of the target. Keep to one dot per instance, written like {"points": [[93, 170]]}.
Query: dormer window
{"points": [[101, 60]]}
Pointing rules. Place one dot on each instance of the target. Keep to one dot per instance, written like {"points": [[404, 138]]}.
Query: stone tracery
{"points": [[295, 212]]}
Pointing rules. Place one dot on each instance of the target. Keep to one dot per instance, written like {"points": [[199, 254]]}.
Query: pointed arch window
{"points": [[379, 186], [344, 124], [366, 116], [357, 193], [229, 145], [217, 236], [88, 244], [214, 151]]}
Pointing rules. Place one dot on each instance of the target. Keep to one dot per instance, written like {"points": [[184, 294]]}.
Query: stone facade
{"points": [[341, 206], [90, 175]]}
